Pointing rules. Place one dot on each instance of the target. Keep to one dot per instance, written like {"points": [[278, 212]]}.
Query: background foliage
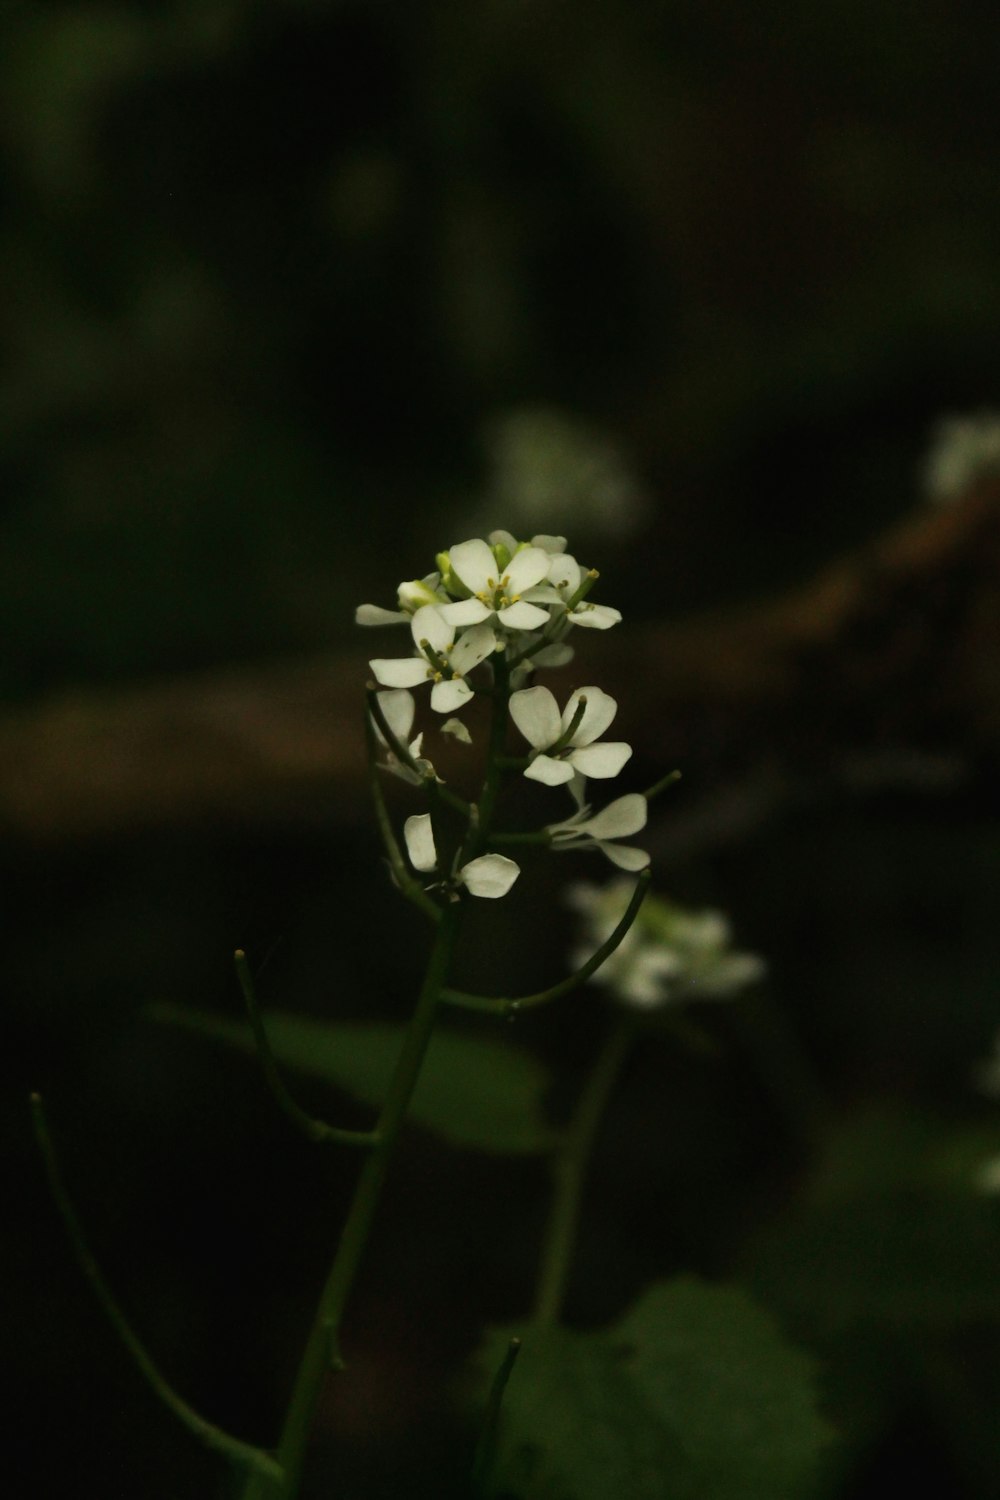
{"points": [[297, 290]]}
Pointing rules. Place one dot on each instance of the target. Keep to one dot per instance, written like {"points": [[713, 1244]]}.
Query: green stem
{"points": [[244, 1454], [411, 889], [569, 1170], [315, 1130], [661, 785], [506, 1007], [322, 1348]]}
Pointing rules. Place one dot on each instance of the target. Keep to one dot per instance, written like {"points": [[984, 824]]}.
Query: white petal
{"points": [[523, 616], [503, 539], [428, 624], [550, 544], [472, 648], [552, 772], [466, 612], [542, 593], [398, 708], [603, 760], [401, 672], [595, 616], [620, 818], [624, 856], [447, 696], [374, 614], [536, 714], [490, 875], [474, 564], [526, 568], [598, 713], [458, 729], [564, 572], [420, 842], [556, 655]]}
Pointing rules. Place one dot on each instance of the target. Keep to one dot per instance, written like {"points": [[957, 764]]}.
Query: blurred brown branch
{"points": [[891, 652]]}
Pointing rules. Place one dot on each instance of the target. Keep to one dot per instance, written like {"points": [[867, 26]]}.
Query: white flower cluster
{"points": [[503, 601], [668, 955], [500, 595]]}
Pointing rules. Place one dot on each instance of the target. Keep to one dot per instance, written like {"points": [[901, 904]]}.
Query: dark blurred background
{"points": [[299, 291]]}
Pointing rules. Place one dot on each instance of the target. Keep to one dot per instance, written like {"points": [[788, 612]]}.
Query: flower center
{"points": [[495, 595]]}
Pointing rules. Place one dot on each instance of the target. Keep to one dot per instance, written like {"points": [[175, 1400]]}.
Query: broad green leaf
{"points": [[473, 1091], [573, 1426], [742, 1400], [694, 1395]]}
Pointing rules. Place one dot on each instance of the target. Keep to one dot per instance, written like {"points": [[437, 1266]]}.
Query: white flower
{"points": [[668, 954], [559, 753], [398, 709], [496, 591], [565, 578], [442, 660], [625, 816], [964, 450], [414, 595], [490, 875]]}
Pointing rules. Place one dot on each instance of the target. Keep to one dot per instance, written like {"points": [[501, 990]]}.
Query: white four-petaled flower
{"points": [[489, 875], [560, 753], [621, 818], [442, 660], [565, 577], [495, 592]]}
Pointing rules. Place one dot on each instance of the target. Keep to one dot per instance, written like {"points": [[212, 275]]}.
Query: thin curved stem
{"points": [[410, 888], [244, 1454], [403, 755], [316, 1130], [505, 1007], [570, 1165]]}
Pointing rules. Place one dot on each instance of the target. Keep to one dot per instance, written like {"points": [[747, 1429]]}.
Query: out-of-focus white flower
{"points": [[490, 875], [669, 954], [547, 462], [398, 709], [987, 1074], [559, 753], [443, 660], [414, 595], [496, 591], [619, 820], [963, 450]]}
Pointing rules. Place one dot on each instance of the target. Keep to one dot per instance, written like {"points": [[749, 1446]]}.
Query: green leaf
{"points": [[742, 1400], [891, 1233], [573, 1428], [473, 1091], [694, 1395]]}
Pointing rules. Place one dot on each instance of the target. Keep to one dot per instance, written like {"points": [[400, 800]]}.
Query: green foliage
{"points": [[694, 1393], [473, 1092], [892, 1231]]}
